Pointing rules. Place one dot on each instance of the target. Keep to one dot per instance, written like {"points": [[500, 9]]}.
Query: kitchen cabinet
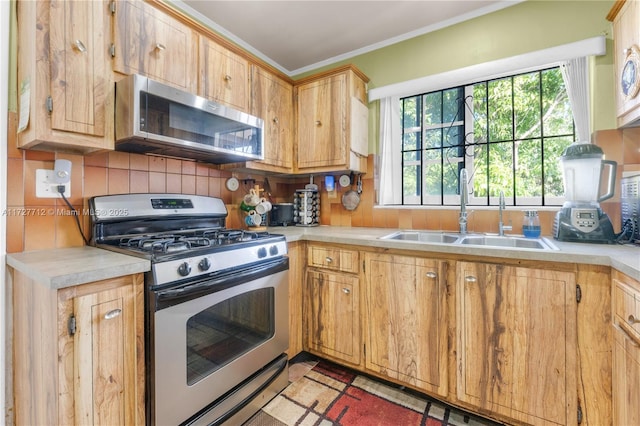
{"points": [[516, 342], [626, 351], [625, 16], [332, 121], [296, 253], [149, 42], [331, 308], [406, 321], [272, 100], [65, 84], [224, 76], [80, 354]]}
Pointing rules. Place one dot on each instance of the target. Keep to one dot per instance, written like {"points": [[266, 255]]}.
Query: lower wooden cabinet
{"points": [[406, 321], [516, 344], [626, 350], [332, 314], [79, 352]]}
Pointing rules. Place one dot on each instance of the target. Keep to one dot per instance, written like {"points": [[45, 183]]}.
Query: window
{"points": [[508, 133]]}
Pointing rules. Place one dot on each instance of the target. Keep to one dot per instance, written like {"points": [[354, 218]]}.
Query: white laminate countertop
{"points": [[66, 267], [624, 258]]}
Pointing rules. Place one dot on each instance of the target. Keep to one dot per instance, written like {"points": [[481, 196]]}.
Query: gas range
{"points": [[184, 236]]}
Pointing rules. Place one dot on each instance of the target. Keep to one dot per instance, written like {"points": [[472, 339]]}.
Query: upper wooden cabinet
{"points": [[272, 100], [223, 76], [65, 84], [406, 320], [626, 36], [150, 43], [332, 121], [517, 338]]}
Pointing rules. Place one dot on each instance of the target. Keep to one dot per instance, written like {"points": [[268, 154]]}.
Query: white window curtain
{"points": [[390, 151], [575, 73]]}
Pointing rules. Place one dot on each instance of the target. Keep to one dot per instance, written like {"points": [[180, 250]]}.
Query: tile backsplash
{"points": [[43, 223]]}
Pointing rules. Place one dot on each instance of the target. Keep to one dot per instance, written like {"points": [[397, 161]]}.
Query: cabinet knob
{"points": [[112, 313], [318, 123], [431, 274], [633, 320], [227, 77], [470, 279], [328, 259], [346, 290], [79, 46], [160, 46], [275, 120]]}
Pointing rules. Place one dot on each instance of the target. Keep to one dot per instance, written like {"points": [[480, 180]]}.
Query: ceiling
{"points": [[296, 36]]}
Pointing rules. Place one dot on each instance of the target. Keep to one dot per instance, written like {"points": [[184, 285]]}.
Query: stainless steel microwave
{"points": [[153, 118]]}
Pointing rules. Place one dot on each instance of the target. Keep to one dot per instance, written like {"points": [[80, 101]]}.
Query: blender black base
{"points": [[563, 230]]}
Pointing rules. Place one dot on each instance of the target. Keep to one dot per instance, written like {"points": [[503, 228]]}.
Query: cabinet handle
{"points": [[112, 313], [227, 77], [633, 320], [275, 120], [346, 290], [431, 274], [629, 332], [470, 279], [328, 259], [318, 123], [79, 45], [160, 46]]}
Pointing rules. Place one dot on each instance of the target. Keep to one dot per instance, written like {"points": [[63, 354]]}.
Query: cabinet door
{"points": [[224, 76], [333, 314], [105, 357], [626, 379], [153, 44], [516, 348], [627, 37], [406, 326], [322, 123], [80, 79], [272, 100]]}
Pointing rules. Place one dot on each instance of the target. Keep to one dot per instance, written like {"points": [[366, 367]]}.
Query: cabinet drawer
{"points": [[333, 258], [626, 305]]}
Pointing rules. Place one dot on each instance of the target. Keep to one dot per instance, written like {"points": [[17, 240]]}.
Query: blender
{"points": [[581, 219]]}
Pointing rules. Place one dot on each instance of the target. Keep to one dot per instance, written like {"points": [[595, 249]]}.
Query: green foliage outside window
{"points": [[508, 133]]}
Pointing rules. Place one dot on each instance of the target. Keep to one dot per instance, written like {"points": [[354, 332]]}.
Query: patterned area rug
{"points": [[328, 394]]}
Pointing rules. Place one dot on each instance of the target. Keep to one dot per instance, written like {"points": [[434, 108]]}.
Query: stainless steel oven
{"points": [[216, 307]]}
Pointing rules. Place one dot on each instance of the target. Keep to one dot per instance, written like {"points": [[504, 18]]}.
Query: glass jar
{"points": [[531, 224]]}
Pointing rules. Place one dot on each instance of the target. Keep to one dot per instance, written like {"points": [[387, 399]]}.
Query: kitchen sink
{"points": [[507, 241], [422, 236]]}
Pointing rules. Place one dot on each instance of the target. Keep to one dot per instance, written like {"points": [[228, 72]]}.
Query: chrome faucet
{"points": [[501, 226], [464, 199]]}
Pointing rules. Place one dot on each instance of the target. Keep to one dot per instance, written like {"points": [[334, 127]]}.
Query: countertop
{"points": [[59, 268], [624, 258], [65, 267]]}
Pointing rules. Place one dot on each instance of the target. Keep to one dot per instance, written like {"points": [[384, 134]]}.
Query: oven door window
{"points": [[225, 331]]}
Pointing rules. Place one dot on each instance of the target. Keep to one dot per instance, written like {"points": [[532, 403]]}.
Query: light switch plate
{"points": [[45, 186]]}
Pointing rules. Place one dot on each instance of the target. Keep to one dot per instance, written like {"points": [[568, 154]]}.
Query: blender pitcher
{"points": [[582, 167]]}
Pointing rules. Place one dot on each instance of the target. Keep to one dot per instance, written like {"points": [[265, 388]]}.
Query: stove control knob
{"points": [[184, 269], [204, 264], [262, 252], [273, 250]]}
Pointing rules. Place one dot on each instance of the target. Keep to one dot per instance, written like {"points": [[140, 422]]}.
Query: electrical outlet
{"points": [[47, 187]]}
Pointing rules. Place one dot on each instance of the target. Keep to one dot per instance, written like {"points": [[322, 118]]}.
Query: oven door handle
{"points": [[217, 282]]}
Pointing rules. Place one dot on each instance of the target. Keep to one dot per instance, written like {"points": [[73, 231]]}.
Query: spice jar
{"points": [[531, 224]]}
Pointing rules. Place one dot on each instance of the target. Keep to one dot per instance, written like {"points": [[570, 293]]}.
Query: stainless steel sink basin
{"points": [[508, 241], [422, 237]]}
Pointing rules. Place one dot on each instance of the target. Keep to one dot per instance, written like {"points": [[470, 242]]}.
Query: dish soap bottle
{"points": [[531, 224]]}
